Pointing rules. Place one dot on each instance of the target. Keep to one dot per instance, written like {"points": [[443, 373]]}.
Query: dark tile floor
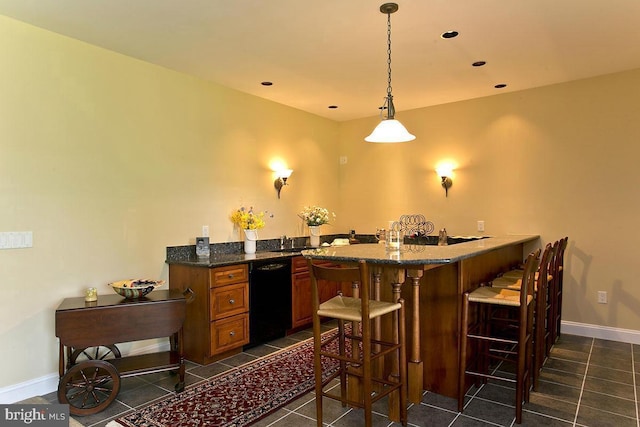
{"points": [[585, 382]]}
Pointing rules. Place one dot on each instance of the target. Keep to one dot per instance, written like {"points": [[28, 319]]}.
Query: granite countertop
{"points": [[372, 252], [220, 260], [415, 254]]}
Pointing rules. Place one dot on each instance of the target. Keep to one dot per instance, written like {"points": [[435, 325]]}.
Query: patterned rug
{"points": [[237, 397]]}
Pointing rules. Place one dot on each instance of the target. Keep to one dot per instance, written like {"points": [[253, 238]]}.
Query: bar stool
{"points": [[558, 273], [356, 348], [543, 304], [494, 345]]}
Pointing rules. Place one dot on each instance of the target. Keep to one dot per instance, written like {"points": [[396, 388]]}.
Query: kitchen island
{"points": [[432, 280]]}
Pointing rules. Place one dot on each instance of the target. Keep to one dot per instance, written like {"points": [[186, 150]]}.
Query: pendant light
{"points": [[389, 130]]}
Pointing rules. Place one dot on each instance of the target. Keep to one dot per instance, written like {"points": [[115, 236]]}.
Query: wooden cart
{"points": [[91, 329]]}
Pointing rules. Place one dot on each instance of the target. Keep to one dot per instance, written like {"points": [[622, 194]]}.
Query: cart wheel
{"points": [[89, 387], [101, 352]]}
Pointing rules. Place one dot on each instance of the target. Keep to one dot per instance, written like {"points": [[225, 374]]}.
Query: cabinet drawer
{"points": [[229, 300], [231, 274], [229, 333]]}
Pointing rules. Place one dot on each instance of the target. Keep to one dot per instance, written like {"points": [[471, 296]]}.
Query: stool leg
{"points": [[343, 365], [462, 365], [378, 364], [317, 367], [394, 375], [354, 383], [403, 363], [367, 389]]}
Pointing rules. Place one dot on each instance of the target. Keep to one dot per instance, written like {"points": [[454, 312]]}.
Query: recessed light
{"points": [[479, 63], [266, 83], [332, 107], [449, 34], [500, 86]]}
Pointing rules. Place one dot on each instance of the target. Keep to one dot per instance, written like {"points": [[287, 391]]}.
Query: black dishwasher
{"points": [[269, 300]]}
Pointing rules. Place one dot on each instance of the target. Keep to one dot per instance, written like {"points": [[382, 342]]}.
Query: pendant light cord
{"points": [[389, 54]]}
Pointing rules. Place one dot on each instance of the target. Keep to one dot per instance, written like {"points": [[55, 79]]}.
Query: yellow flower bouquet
{"points": [[248, 219]]}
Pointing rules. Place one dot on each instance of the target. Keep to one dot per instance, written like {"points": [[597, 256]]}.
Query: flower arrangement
{"points": [[247, 219], [315, 215]]}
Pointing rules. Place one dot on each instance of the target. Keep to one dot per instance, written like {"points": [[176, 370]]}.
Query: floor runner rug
{"points": [[237, 397]]}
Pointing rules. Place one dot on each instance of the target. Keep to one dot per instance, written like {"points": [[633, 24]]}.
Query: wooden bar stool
{"points": [[558, 273], [491, 343], [543, 304], [356, 365]]}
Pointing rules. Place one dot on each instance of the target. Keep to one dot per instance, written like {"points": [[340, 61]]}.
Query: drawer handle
{"points": [[230, 276], [232, 301], [232, 333]]}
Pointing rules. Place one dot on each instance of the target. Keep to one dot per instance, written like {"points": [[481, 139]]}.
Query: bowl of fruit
{"points": [[135, 288]]}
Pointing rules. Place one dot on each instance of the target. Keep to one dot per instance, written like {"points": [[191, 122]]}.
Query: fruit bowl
{"points": [[132, 289]]}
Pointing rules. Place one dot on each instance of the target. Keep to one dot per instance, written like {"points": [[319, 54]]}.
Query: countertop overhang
{"points": [[415, 254]]}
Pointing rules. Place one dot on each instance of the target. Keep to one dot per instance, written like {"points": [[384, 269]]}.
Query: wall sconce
{"points": [[281, 180], [445, 172]]}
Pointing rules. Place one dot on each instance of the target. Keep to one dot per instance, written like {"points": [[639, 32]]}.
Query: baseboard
{"points": [[49, 383], [603, 332]]}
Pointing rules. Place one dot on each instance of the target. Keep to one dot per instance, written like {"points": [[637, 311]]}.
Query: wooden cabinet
{"points": [[217, 320], [301, 292], [300, 299]]}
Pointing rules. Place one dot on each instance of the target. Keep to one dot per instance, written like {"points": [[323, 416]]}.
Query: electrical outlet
{"points": [[602, 297], [480, 225], [205, 231]]}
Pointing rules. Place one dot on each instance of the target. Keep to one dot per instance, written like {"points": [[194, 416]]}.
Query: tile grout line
{"points": [[584, 380]]}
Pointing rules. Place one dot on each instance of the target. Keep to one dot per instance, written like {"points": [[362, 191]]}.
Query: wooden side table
{"points": [[90, 386]]}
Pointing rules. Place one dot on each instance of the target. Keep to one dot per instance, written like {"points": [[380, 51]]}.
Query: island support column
{"points": [[415, 366]]}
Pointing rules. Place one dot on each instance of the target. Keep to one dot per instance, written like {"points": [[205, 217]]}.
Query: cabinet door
{"points": [[302, 308], [327, 290], [301, 299]]}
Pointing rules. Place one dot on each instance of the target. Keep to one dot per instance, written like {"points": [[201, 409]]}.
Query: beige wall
{"points": [[558, 160], [108, 160]]}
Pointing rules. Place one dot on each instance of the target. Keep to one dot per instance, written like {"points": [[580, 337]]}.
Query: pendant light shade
{"points": [[389, 130]]}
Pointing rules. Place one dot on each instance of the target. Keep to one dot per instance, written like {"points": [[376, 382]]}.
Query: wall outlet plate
{"points": [[602, 297]]}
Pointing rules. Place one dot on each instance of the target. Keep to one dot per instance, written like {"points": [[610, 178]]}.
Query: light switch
{"points": [[16, 239]]}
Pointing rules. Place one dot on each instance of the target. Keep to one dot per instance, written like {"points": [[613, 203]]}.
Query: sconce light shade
{"points": [[281, 180], [390, 131]]}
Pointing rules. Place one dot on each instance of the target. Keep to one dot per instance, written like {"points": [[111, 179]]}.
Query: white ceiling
{"points": [[333, 52]]}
